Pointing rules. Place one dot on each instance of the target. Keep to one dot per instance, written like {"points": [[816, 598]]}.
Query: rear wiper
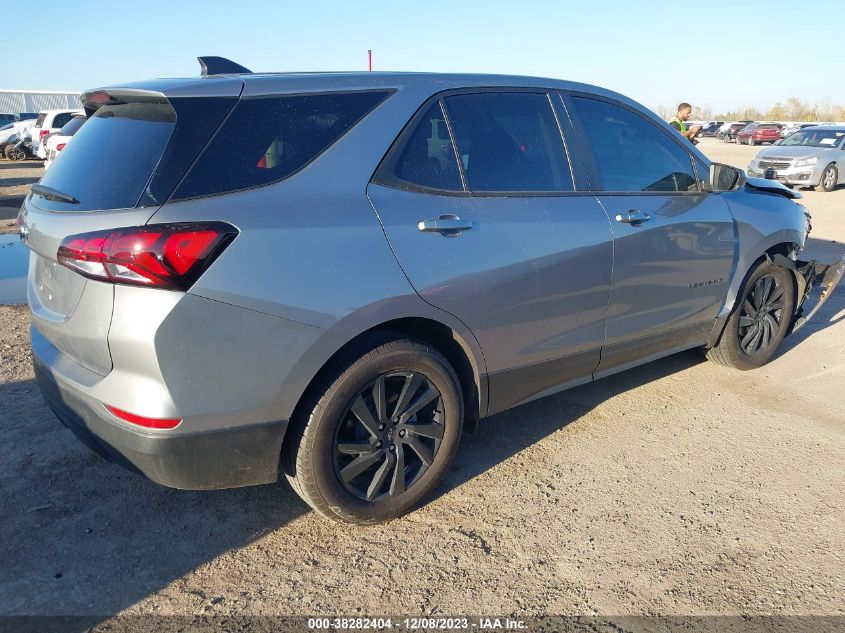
{"points": [[52, 194]]}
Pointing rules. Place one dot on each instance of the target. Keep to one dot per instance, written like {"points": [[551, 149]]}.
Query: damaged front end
{"points": [[815, 283]]}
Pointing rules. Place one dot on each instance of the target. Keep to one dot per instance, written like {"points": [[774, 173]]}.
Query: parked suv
{"points": [[56, 142], [755, 133], [331, 275], [49, 121]]}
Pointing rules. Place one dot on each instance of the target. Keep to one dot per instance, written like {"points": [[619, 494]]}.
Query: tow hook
{"points": [[809, 277]]}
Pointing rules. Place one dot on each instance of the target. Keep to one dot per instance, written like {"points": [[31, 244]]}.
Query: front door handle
{"points": [[634, 217], [447, 225]]}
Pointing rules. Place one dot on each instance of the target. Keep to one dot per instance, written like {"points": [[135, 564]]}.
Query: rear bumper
{"points": [[222, 458]]}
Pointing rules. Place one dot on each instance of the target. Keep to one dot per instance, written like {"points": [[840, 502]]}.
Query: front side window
{"points": [[267, 139], [509, 142], [60, 120], [632, 154]]}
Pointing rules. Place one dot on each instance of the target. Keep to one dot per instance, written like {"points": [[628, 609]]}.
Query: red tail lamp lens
{"points": [[169, 256], [150, 423]]}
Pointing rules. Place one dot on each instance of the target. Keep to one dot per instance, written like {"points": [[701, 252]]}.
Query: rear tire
{"points": [[759, 321], [828, 179], [360, 452], [13, 153]]}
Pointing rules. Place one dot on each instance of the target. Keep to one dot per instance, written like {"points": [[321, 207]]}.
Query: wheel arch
{"points": [[786, 248], [462, 353]]}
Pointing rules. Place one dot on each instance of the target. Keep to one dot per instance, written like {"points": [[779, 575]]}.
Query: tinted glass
{"points": [[509, 142], [425, 158], [60, 120], [111, 158], [631, 153], [268, 139], [72, 126], [39, 122]]}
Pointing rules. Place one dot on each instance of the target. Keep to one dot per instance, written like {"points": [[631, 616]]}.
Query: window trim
{"points": [[589, 157], [383, 174], [388, 92]]}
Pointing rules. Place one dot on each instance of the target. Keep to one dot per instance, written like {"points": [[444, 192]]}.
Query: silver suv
{"points": [[331, 276]]}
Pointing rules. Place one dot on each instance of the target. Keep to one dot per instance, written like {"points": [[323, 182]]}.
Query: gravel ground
{"points": [[15, 180], [679, 487]]}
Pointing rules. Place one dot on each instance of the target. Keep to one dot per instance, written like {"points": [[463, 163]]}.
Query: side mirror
{"points": [[725, 178]]}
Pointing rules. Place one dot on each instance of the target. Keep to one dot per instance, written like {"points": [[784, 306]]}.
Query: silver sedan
{"points": [[812, 157]]}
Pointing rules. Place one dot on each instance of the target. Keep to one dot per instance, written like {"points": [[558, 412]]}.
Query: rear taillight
{"points": [[43, 133], [169, 256], [60, 147], [150, 423]]}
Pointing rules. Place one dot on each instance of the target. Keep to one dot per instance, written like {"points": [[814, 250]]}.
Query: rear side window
{"points": [[267, 139], [632, 154], [39, 122], [509, 141], [424, 158]]}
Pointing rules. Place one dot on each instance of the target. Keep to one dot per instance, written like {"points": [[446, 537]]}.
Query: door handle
{"points": [[448, 225], [634, 217]]}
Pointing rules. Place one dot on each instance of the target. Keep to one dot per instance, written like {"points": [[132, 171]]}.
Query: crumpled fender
{"points": [[809, 277]]}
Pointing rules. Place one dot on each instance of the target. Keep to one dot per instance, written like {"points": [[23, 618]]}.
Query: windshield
{"points": [[810, 137]]}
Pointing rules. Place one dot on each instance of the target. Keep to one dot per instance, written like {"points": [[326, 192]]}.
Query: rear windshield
{"points": [[268, 139], [111, 159], [769, 127], [132, 152], [40, 120], [72, 126]]}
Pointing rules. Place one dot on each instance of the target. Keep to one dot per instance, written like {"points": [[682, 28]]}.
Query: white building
{"points": [[14, 101]]}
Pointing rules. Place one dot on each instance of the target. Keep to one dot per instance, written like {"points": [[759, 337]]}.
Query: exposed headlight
{"points": [[807, 162]]}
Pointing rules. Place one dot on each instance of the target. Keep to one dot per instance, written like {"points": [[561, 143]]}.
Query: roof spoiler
{"points": [[212, 65]]}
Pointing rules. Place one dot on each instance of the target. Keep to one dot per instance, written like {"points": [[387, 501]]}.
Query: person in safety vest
{"points": [[679, 122]]}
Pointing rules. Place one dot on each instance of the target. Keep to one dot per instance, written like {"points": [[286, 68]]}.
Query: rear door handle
{"points": [[448, 225], [634, 217]]}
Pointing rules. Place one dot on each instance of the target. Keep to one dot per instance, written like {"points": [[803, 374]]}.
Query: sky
{"points": [[720, 54]]}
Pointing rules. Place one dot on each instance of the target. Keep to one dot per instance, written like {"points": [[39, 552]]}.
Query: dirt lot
{"points": [[677, 488], [15, 181]]}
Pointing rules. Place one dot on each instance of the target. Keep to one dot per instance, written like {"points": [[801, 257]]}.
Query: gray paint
{"points": [[543, 292]]}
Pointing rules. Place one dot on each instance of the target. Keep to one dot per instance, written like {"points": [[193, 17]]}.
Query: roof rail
{"points": [[212, 65]]}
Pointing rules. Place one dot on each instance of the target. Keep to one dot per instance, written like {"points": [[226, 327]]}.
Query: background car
{"points": [[50, 121], [7, 117], [731, 130], [758, 133], [811, 157], [789, 128], [711, 128], [12, 132], [55, 143]]}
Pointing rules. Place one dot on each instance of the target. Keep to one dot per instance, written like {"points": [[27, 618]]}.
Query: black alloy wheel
{"points": [[389, 435], [761, 315]]}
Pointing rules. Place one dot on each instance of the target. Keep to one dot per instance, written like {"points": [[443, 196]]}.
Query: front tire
{"points": [[828, 180], [381, 435], [759, 321]]}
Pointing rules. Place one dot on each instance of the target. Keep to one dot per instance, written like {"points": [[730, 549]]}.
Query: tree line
{"points": [[793, 109]]}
